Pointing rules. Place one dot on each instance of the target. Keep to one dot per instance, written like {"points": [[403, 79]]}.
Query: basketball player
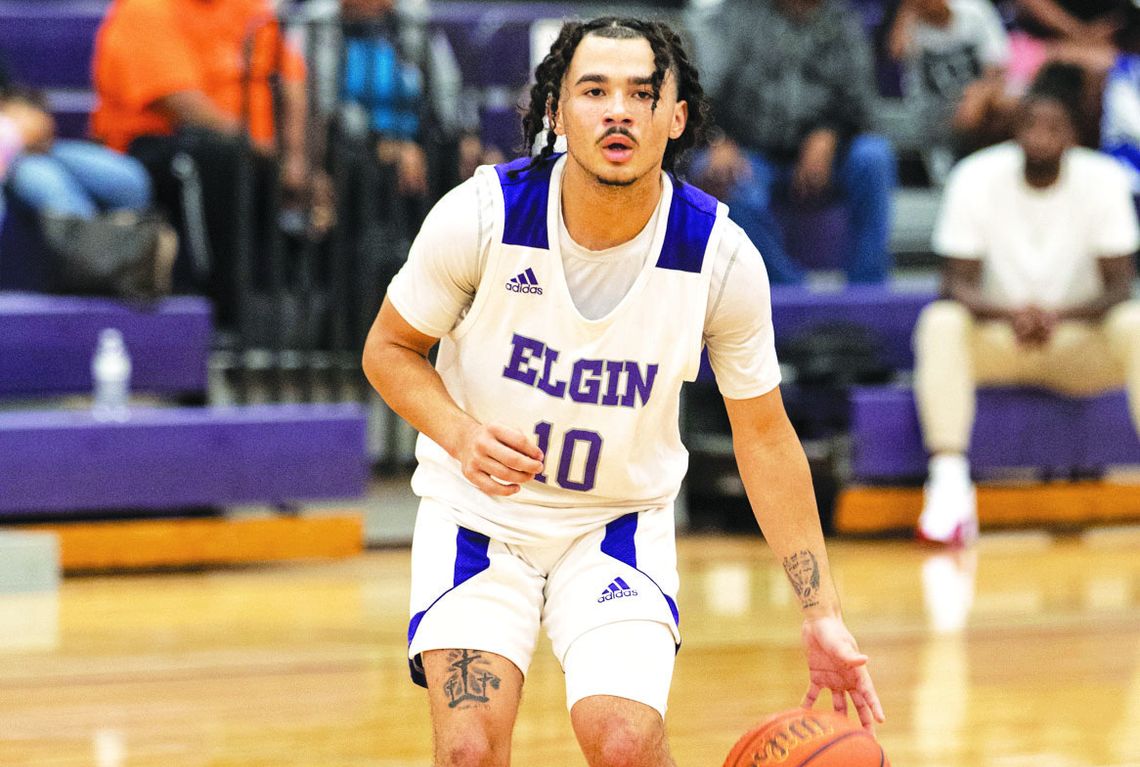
{"points": [[573, 294]]}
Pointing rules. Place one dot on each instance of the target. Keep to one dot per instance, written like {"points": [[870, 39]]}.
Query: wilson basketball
{"points": [[805, 738]]}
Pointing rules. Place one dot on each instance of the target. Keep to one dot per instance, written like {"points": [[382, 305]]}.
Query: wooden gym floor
{"points": [[1025, 651]]}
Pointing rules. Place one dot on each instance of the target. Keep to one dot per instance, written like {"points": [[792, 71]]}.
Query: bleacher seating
{"points": [[1015, 427], [47, 44], [66, 462], [46, 343]]}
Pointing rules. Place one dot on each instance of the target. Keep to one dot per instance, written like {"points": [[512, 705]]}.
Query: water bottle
{"points": [[111, 374]]}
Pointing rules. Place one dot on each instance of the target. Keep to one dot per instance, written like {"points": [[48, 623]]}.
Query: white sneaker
{"points": [[950, 506]]}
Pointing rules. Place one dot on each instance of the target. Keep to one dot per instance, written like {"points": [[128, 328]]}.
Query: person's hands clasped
{"points": [[812, 174], [1033, 326], [835, 663], [498, 459]]}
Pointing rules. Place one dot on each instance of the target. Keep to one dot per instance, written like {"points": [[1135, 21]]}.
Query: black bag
{"points": [[120, 254], [837, 355]]}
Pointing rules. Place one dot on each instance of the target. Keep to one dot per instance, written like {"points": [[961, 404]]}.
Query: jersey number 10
{"points": [[570, 443]]}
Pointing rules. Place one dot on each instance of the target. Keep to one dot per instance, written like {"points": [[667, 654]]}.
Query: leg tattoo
{"points": [[470, 681]]}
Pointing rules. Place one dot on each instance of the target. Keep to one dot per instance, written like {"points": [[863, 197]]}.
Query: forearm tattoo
{"points": [[803, 572], [470, 681]]}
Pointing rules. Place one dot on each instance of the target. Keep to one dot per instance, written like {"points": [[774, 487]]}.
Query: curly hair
{"points": [[669, 55]]}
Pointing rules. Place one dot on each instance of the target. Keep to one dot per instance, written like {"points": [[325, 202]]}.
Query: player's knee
{"points": [[621, 744], [470, 749]]}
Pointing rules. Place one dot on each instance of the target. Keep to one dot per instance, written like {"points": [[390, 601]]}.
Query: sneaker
{"points": [[950, 507]]}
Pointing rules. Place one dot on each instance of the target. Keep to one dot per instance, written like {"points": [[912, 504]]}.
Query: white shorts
{"points": [[474, 593]]}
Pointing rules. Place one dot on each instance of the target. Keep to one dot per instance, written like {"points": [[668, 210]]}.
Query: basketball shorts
{"points": [[472, 592]]}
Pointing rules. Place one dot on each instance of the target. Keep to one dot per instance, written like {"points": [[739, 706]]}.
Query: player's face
{"points": [[606, 110]]}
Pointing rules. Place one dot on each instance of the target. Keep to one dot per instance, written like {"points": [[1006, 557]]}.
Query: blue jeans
{"points": [[80, 178], [864, 178]]}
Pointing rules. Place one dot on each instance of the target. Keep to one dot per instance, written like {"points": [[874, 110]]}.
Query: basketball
{"points": [[804, 738]]}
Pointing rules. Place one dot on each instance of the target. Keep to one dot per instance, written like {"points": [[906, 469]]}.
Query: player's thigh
{"points": [[469, 591], [617, 683], [474, 697], [622, 575]]}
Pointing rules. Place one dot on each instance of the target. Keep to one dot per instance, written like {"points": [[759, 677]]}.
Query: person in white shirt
{"points": [[1038, 237], [570, 295], [956, 52]]}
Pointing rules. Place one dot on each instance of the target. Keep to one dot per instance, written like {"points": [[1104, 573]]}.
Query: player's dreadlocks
{"points": [[668, 54]]}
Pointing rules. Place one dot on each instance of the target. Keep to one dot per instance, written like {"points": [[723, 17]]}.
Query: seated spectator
{"points": [[792, 87], [195, 77], [398, 93], [1038, 236], [1120, 116], [1087, 33], [955, 52], [68, 177]]}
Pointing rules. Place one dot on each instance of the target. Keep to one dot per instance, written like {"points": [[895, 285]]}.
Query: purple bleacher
{"points": [[54, 462], [886, 311], [48, 43], [1015, 427], [46, 342]]}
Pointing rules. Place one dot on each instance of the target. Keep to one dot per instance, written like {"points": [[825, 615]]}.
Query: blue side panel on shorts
{"points": [[692, 214], [526, 196], [618, 542], [470, 555], [470, 560]]}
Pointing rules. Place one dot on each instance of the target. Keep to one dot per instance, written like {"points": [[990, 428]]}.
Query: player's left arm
{"points": [[778, 483]]}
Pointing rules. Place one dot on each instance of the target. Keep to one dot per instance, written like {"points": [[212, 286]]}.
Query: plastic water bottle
{"points": [[111, 374]]}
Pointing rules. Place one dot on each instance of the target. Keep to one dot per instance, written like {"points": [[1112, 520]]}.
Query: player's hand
{"points": [[498, 459], [835, 663]]}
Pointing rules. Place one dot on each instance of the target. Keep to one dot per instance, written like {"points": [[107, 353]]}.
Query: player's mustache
{"points": [[618, 130]]}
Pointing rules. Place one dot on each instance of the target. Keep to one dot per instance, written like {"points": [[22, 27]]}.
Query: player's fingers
{"points": [[519, 443], [498, 454], [863, 709], [810, 696], [502, 472], [483, 481], [866, 689], [839, 701]]}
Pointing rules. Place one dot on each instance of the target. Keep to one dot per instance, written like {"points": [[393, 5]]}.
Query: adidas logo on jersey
{"points": [[525, 282], [616, 590]]}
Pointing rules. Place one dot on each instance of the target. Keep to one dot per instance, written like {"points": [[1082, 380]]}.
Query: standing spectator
{"points": [[396, 89], [792, 87], [171, 76], [1038, 236], [955, 53]]}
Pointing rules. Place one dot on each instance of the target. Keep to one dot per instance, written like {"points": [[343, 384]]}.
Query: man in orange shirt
{"points": [[171, 76]]}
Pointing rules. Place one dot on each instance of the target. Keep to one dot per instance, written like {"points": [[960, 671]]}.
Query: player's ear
{"points": [[680, 119]]}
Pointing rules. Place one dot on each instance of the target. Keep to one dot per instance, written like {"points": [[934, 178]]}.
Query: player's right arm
{"points": [[495, 459], [425, 300]]}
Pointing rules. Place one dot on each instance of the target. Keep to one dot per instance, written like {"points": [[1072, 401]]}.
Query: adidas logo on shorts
{"points": [[616, 590]]}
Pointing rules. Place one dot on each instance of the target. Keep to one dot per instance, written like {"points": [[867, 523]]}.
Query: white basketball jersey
{"points": [[599, 397]]}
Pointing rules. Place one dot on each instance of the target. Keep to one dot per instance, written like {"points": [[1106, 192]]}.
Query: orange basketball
{"points": [[804, 738]]}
